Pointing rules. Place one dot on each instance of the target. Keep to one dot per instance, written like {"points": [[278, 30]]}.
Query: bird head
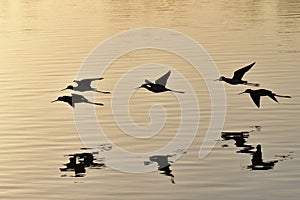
{"points": [[220, 79], [69, 87], [145, 85], [58, 99], [246, 91]]}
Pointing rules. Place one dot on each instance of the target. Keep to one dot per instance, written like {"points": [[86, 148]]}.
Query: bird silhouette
{"points": [[237, 77], [75, 98], [256, 94], [159, 85], [84, 85]]}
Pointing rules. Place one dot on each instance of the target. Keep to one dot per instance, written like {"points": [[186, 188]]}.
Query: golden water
{"points": [[43, 44]]}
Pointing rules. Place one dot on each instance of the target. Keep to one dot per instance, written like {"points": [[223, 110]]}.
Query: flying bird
{"points": [[159, 85], [84, 85], [237, 77], [256, 94], [75, 98]]}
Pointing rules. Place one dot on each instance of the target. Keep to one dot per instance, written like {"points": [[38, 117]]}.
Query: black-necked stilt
{"points": [[256, 94], [84, 85], [237, 77], [159, 85], [75, 98]]}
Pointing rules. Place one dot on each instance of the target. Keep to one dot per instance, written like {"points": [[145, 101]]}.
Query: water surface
{"points": [[43, 44]]}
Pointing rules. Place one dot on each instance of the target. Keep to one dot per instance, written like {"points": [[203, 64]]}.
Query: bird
{"points": [[256, 94], [84, 85], [75, 98], [159, 85], [237, 77]]}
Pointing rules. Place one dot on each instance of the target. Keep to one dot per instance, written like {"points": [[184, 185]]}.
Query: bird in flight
{"points": [[159, 85], [84, 85], [256, 94], [75, 98], [237, 77]]}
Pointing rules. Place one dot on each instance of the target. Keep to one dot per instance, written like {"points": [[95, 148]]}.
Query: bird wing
{"points": [[76, 95], [238, 74], [68, 99], [87, 81], [163, 80], [147, 81], [272, 96], [256, 99]]}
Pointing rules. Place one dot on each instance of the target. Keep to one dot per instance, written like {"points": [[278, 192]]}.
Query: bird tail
{"points": [[252, 84], [283, 96]]}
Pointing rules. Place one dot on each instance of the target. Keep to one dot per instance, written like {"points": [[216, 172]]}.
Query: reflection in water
{"points": [[163, 165], [79, 161], [240, 141], [257, 162]]}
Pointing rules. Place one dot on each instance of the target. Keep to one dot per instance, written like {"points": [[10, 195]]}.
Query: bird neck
{"points": [[70, 87], [227, 80]]}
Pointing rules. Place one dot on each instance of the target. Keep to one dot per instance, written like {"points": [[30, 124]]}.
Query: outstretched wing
{"points": [[76, 95], [272, 96], [163, 80], [86, 82], [68, 99], [238, 74], [76, 98], [256, 99], [147, 81]]}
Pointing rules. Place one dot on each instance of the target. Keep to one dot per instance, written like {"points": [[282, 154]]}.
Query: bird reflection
{"points": [[79, 161], [258, 163], [163, 165], [240, 141], [75, 98]]}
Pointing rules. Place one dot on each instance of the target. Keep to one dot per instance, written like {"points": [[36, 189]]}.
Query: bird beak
{"points": [[63, 89], [53, 101], [138, 87], [217, 79], [241, 93]]}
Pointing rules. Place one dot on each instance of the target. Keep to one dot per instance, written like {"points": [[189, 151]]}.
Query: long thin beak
{"points": [[53, 101], [138, 87], [216, 80], [241, 93], [63, 89]]}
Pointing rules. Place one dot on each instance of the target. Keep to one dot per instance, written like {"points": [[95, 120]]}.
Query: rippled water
{"points": [[43, 44]]}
